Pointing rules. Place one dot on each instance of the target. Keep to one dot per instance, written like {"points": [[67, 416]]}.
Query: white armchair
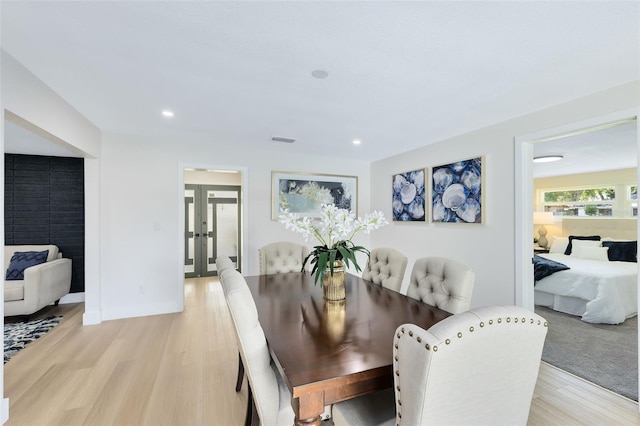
{"points": [[43, 284]]}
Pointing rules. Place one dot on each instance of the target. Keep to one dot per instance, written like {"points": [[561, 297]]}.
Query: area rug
{"points": [[20, 334], [604, 354]]}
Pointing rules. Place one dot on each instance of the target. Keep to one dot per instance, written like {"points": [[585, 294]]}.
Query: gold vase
{"points": [[334, 321], [333, 287]]}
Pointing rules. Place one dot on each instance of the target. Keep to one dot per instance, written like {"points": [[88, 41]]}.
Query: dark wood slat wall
{"points": [[44, 204]]}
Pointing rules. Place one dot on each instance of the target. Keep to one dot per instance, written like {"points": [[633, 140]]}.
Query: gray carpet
{"points": [[601, 353]]}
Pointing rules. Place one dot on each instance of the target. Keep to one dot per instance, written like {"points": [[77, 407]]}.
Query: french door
{"points": [[212, 227]]}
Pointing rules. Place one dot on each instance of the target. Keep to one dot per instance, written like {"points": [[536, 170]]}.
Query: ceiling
{"points": [[606, 149], [400, 74]]}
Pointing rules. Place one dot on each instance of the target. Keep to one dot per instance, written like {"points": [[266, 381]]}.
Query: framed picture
{"points": [[305, 193], [408, 203], [457, 195]]}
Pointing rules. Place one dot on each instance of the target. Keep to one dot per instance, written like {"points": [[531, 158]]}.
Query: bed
{"points": [[601, 282]]}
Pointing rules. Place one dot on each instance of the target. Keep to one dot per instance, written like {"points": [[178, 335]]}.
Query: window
{"points": [[597, 201], [619, 200]]}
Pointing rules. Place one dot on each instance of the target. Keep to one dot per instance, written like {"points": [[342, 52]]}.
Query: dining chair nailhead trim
{"points": [[435, 349]]}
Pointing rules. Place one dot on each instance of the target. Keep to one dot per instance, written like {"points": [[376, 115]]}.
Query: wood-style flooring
{"points": [[180, 369]]}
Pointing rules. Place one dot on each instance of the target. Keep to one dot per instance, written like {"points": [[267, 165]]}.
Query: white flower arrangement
{"points": [[334, 230]]}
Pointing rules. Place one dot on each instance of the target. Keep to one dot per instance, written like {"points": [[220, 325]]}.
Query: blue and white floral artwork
{"points": [[457, 192], [408, 196]]}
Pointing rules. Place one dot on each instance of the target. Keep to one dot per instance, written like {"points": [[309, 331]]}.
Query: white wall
{"points": [[202, 177], [140, 213], [489, 248], [27, 100], [27, 97]]}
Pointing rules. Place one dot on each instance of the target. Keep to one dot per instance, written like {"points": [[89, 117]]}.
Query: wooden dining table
{"points": [[329, 352]]}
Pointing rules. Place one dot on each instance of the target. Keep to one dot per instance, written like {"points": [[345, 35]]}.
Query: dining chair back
{"points": [[478, 367], [270, 395], [281, 257], [441, 282], [224, 262], [386, 267]]}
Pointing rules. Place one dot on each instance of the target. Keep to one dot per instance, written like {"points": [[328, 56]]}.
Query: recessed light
{"points": [[319, 74], [357, 141], [167, 113], [547, 158]]}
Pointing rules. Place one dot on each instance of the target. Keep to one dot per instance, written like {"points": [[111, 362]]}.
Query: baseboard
{"points": [[91, 318], [5, 410], [141, 311], [73, 298]]}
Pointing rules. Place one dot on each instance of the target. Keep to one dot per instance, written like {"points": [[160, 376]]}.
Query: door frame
{"points": [[244, 208], [524, 294]]}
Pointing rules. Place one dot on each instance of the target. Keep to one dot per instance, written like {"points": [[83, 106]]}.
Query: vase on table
{"points": [[333, 286]]}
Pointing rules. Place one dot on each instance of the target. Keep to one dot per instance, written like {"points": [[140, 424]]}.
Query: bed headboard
{"points": [[617, 228]]}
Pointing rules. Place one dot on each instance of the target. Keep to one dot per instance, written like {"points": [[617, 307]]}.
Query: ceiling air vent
{"points": [[282, 139]]}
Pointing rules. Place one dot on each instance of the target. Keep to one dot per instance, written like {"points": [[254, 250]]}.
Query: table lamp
{"points": [[542, 219]]}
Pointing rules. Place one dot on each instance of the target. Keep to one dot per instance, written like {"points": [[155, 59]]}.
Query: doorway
{"points": [[212, 227], [524, 197]]}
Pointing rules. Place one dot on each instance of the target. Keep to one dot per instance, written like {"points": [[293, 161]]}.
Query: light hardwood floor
{"points": [[180, 369]]}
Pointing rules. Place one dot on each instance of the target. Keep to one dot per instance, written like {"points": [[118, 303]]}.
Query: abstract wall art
{"points": [[408, 203], [305, 193], [457, 192]]}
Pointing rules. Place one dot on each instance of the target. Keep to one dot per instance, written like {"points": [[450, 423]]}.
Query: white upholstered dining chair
{"points": [[478, 367], [223, 263], [441, 282], [226, 269], [281, 257], [269, 394], [386, 267]]}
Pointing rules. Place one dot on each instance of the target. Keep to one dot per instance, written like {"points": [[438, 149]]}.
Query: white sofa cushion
{"points": [[13, 290]]}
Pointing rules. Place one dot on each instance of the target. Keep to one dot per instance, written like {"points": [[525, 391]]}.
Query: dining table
{"points": [[332, 351]]}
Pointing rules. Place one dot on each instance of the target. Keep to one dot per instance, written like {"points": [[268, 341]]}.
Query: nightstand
{"points": [[538, 249]]}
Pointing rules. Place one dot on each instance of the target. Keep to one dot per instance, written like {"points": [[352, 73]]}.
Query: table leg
{"points": [[308, 409]]}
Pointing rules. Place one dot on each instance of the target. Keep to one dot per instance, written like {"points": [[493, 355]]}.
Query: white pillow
{"points": [[559, 245], [590, 252], [585, 243]]}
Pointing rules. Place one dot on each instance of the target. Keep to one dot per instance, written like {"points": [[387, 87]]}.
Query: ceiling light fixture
{"points": [[357, 141], [319, 74], [547, 158], [167, 113]]}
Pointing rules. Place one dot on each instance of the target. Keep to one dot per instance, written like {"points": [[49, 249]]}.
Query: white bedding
{"points": [[606, 292]]}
